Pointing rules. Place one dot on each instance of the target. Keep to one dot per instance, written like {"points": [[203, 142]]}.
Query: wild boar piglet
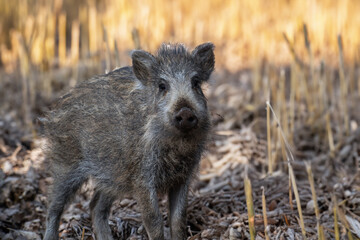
{"points": [[137, 131]]}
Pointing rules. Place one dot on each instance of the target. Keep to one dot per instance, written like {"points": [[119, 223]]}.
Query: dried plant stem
{"points": [[304, 87], [250, 207], [292, 50], [136, 38], [93, 20], [74, 51], [330, 135], [293, 87], [283, 149], [344, 221], [358, 81], [117, 56], [290, 195], [291, 173], [343, 87], [288, 148], [26, 81], [84, 38], [269, 149], [83, 234], [336, 224], [263, 200], [306, 92], [108, 52], [314, 198], [62, 38], [257, 79], [75, 38], [49, 37], [308, 48], [321, 233], [284, 115], [322, 91], [297, 197]]}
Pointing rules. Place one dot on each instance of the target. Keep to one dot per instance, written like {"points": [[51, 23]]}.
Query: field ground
{"points": [[217, 205], [300, 163]]}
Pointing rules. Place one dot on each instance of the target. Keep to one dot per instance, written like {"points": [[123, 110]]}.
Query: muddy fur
{"points": [[119, 130]]}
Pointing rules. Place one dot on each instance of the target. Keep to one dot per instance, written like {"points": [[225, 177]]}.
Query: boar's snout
{"points": [[185, 120]]}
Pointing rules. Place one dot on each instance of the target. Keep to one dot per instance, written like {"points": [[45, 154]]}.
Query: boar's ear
{"points": [[142, 63], [205, 58]]}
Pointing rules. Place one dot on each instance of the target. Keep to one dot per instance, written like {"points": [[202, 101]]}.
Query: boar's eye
{"points": [[195, 82], [162, 87]]}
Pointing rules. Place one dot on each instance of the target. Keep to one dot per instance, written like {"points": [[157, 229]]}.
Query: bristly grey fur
{"points": [[124, 130]]}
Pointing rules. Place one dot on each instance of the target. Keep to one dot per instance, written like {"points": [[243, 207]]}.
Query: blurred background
{"points": [[46, 46], [64, 32], [302, 56]]}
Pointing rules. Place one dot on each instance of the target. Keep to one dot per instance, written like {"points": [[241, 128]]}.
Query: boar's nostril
{"points": [[185, 120], [178, 118]]}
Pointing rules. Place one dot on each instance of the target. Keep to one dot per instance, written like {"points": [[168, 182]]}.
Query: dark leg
{"points": [[100, 210], [177, 211], [64, 188], [152, 218]]}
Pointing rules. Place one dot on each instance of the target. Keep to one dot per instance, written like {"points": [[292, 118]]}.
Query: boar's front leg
{"points": [[152, 218], [177, 211]]}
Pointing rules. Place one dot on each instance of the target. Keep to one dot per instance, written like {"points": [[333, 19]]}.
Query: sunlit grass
{"points": [[243, 31]]}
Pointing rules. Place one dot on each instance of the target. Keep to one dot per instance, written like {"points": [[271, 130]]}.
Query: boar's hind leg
{"points": [[64, 187], [100, 210]]}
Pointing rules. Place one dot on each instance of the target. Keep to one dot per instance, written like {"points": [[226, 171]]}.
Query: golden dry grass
{"points": [[243, 31]]}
